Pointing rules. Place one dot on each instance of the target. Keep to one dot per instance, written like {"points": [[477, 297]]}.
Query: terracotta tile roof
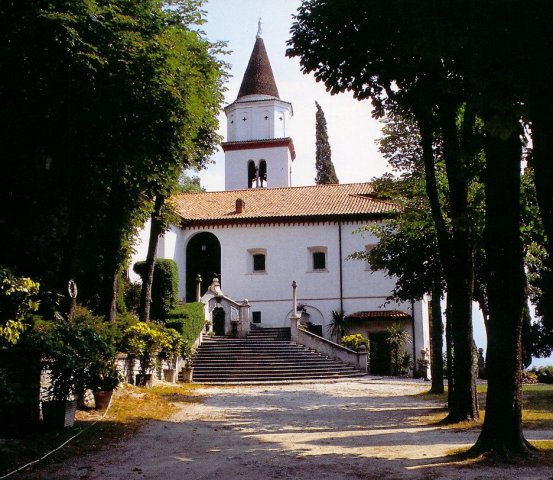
{"points": [[259, 78], [380, 314], [262, 205]]}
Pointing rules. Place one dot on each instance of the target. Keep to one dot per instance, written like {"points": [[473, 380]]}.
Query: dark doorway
{"points": [[203, 256], [380, 356], [218, 321]]}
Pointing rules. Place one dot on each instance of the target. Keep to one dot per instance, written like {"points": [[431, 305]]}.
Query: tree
{"points": [[338, 326], [135, 74], [323, 163], [17, 302], [395, 64]]}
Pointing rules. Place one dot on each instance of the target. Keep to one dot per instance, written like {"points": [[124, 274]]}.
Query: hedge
{"points": [[165, 287], [188, 319]]}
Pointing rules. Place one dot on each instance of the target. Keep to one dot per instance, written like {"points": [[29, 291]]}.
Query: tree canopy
{"points": [[102, 105], [323, 155], [464, 72]]}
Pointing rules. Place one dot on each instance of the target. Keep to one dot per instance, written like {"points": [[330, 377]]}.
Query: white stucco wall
{"points": [[288, 257], [265, 117], [278, 161]]}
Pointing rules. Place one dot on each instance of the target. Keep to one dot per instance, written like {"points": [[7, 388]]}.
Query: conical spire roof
{"points": [[259, 78]]}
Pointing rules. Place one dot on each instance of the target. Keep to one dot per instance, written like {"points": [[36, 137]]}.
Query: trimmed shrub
{"points": [[165, 287], [188, 320]]}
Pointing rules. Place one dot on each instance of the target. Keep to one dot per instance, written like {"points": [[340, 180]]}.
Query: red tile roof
{"points": [[354, 201], [380, 314]]}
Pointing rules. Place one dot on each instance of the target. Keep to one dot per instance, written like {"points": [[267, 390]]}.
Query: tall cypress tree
{"points": [[323, 163]]}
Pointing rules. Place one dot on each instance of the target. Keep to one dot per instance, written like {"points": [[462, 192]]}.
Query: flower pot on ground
{"points": [[146, 341], [171, 348], [170, 375], [103, 378], [102, 398], [69, 348], [187, 373], [58, 414], [144, 380]]}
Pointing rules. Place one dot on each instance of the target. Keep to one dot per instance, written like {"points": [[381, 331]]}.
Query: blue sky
{"points": [[351, 129]]}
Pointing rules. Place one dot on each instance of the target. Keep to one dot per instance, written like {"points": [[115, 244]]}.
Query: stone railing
{"points": [[327, 347]]}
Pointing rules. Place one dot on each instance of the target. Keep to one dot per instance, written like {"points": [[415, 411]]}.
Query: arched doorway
{"points": [[218, 321], [203, 256]]}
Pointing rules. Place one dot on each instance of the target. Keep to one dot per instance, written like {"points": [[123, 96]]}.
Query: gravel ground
{"points": [[356, 429]]}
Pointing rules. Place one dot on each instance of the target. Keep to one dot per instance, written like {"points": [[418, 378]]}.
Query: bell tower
{"points": [[258, 150]]}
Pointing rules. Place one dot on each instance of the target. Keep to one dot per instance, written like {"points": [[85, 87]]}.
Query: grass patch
{"points": [[131, 407], [537, 413]]}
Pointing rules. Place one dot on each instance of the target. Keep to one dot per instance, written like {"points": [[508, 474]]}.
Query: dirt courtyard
{"points": [[356, 429]]}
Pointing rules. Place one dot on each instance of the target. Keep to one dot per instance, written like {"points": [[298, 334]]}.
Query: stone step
{"points": [[266, 355]]}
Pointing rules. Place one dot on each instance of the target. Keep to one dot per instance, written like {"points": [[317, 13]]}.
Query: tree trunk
{"points": [[541, 116], [156, 227], [437, 363], [112, 257], [449, 357], [502, 429], [459, 269], [455, 255]]}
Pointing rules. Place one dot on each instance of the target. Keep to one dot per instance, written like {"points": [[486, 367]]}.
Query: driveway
{"points": [[356, 429]]}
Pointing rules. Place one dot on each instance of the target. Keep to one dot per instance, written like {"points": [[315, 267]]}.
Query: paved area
{"points": [[355, 429]]}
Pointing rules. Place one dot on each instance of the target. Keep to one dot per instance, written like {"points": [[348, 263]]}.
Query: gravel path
{"points": [[355, 429]]}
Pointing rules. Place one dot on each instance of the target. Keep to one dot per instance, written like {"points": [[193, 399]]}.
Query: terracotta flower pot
{"points": [[102, 398]]}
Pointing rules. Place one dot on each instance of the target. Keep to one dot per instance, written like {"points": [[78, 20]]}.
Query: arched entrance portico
{"points": [[203, 256]]}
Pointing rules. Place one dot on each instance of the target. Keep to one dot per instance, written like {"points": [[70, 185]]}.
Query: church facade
{"points": [[260, 234]]}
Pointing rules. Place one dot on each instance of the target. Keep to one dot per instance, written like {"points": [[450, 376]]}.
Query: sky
{"points": [[352, 131]]}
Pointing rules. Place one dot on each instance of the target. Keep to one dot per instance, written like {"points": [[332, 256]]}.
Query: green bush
{"points": [[70, 348], [120, 300], [17, 303], [189, 321], [132, 296], [544, 374], [165, 286], [145, 340], [355, 341]]}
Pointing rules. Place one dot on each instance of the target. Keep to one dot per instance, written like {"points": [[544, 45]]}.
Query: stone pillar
{"points": [[294, 318], [198, 287], [244, 328]]}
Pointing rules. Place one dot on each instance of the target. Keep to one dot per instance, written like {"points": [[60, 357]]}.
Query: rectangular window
{"points": [[259, 262], [256, 317], [319, 260]]}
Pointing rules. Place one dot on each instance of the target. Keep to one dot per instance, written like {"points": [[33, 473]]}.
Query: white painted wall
{"points": [[289, 257], [278, 161], [265, 117]]}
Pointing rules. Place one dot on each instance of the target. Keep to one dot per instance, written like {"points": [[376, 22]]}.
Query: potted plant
{"points": [[103, 379], [58, 342], [171, 348], [69, 349], [145, 340], [187, 353]]}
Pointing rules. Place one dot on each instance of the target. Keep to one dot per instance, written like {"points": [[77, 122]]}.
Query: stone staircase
{"points": [[266, 355]]}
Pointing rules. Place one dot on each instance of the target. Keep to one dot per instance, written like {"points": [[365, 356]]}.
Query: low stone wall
{"points": [[326, 347], [20, 377]]}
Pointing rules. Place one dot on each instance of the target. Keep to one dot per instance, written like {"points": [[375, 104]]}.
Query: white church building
{"points": [[260, 234]]}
